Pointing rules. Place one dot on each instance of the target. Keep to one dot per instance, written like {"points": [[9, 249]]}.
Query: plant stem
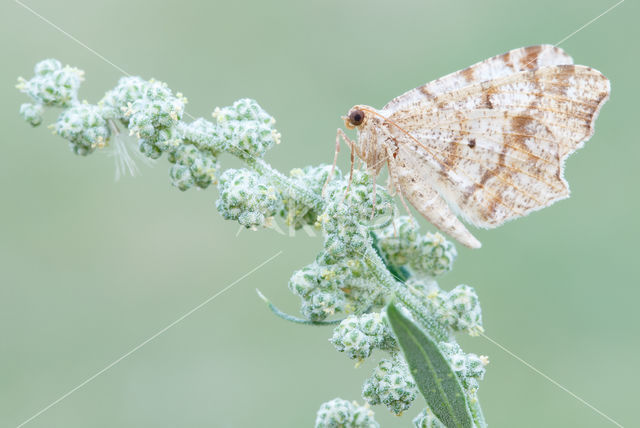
{"points": [[417, 309], [302, 194]]}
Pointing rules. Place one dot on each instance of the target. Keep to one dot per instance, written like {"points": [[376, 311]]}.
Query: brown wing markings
{"points": [[467, 73], [424, 91], [538, 108], [495, 172], [512, 168], [452, 155], [547, 94], [531, 57], [560, 78], [547, 56], [489, 105], [557, 125], [495, 197]]}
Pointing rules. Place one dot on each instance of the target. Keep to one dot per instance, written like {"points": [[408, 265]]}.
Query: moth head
{"points": [[356, 117]]}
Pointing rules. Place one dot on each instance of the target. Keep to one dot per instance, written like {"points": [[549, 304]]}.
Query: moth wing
{"points": [[496, 150], [527, 58], [415, 184]]}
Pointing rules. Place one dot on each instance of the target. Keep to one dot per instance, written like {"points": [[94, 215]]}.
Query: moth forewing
{"points": [[488, 142]]}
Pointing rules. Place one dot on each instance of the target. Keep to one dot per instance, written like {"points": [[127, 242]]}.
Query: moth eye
{"points": [[356, 117]]}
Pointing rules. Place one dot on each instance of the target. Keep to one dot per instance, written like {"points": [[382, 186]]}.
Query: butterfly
{"points": [[487, 143]]}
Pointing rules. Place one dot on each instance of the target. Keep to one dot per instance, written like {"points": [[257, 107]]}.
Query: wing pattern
{"points": [[527, 58], [495, 149]]}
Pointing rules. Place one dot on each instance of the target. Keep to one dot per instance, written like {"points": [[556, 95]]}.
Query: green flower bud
{"points": [[312, 178], [359, 198], [339, 413], [247, 128], [53, 85], [32, 113], [470, 368], [392, 385], [462, 310], [247, 197], [359, 335], [425, 255], [320, 290], [84, 127]]}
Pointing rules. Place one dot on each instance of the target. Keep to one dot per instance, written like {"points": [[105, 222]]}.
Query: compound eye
{"points": [[356, 117]]}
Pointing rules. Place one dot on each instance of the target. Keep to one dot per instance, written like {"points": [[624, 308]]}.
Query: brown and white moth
{"points": [[487, 143]]}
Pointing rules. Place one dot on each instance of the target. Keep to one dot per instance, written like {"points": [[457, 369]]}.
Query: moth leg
{"points": [[333, 166], [351, 144], [353, 161]]}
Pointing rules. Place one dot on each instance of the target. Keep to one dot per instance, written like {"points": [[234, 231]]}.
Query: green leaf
{"points": [[436, 380]]}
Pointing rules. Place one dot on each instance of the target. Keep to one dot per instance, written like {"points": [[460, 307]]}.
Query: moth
{"points": [[487, 143]]}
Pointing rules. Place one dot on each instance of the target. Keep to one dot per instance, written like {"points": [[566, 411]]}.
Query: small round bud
{"points": [[359, 335], [392, 385], [247, 128], [470, 368], [53, 85], [32, 113], [247, 197], [84, 127], [339, 413], [296, 212], [320, 290], [462, 310], [426, 255]]}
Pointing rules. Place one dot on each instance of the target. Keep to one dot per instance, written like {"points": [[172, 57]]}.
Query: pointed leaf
{"points": [[432, 373]]}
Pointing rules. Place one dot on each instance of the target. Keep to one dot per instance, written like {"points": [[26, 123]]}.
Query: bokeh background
{"points": [[90, 268]]}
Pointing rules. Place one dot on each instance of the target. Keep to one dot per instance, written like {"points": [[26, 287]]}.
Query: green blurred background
{"points": [[90, 268]]}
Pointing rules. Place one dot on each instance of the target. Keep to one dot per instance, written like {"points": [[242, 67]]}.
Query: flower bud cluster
{"points": [[247, 197], [312, 178], [345, 237], [32, 113], [461, 310], [358, 197], [424, 254], [347, 219], [470, 368], [339, 413], [84, 127], [358, 336], [151, 112], [426, 419], [195, 156], [392, 385], [320, 290], [248, 129], [53, 85]]}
